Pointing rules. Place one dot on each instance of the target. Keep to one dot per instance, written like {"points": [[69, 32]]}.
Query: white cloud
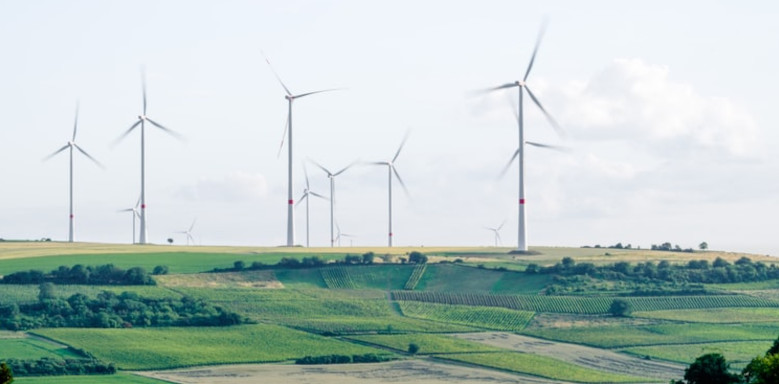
{"points": [[237, 186]]}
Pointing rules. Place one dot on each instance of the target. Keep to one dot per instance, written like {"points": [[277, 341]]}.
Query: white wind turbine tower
{"points": [[135, 213], [307, 193], [496, 231], [70, 145], [520, 153], [142, 119], [188, 232], [288, 130], [390, 171], [340, 235], [332, 177]]}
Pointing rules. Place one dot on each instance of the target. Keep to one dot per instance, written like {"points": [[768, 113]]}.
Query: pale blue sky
{"points": [[669, 106]]}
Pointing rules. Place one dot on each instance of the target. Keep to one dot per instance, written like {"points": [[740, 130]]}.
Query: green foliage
{"points": [[344, 359], [6, 374], [417, 258], [46, 366], [620, 308], [724, 315], [107, 274], [502, 319], [427, 343], [413, 348], [762, 370], [711, 368], [736, 352], [160, 270], [416, 275], [45, 291]]}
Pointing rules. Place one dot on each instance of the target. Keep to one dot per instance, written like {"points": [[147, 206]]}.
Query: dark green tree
{"points": [[46, 291], [703, 246], [620, 308], [413, 349], [6, 374], [762, 370], [417, 258], [711, 368]]}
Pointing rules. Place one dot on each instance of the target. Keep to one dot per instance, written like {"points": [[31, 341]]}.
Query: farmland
{"points": [[450, 307]]}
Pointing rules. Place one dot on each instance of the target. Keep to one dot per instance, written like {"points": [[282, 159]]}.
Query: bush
{"points": [[620, 308], [413, 349]]}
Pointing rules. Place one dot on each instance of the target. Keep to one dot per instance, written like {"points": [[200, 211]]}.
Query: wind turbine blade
{"points": [[189, 237], [127, 210], [315, 92], [535, 50], [402, 184], [321, 167], [504, 86], [506, 168], [127, 132], [75, 124], [283, 136], [138, 203], [344, 169], [277, 76], [513, 104], [169, 131], [500, 241], [317, 195], [89, 156], [549, 117], [300, 200], [56, 152], [305, 173], [548, 146], [191, 227], [402, 143], [143, 88], [501, 225]]}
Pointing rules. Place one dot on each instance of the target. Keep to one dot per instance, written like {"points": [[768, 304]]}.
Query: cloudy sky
{"points": [[669, 110]]}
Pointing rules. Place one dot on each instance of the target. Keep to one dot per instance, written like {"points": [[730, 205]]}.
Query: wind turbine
{"points": [[522, 87], [188, 232], [307, 193], [390, 171], [497, 232], [288, 130], [332, 177], [339, 235], [142, 119], [70, 145], [136, 215]]}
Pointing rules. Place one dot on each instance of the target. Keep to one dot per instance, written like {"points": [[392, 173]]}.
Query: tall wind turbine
{"points": [[390, 171], [142, 119], [522, 87], [288, 130], [340, 235], [307, 193], [332, 177], [496, 231], [70, 145], [136, 215], [188, 232]]}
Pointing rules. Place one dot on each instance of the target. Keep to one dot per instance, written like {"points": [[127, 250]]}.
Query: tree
{"points": [[620, 308], [711, 368], [6, 374], [170, 240], [762, 370], [703, 246], [417, 258], [367, 258], [413, 349], [46, 291], [774, 348]]}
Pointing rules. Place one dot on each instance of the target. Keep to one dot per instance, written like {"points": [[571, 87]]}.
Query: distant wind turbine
{"points": [[520, 153], [188, 232], [332, 176], [288, 130], [142, 119], [136, 215], [70, 145], [340, 234], [496, 231], [307, 193], [390, 171]]}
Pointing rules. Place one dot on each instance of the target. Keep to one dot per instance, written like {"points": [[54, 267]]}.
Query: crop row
{"points": [[416, 275], [582, 305], [487, 317], [337, 278]]}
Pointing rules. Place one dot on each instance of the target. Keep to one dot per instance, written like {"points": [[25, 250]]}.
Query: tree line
{"points": [[344, 359], [713, 368], [367, 258], [107, 274], [109, 310], [47, 366]]}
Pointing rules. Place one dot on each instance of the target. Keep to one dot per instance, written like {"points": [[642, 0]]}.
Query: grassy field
{"points": [[428, 344], [723, 315], [737, 352], [163, 348], [543, 366], [22, 346], [119, 378], [501, 319]]}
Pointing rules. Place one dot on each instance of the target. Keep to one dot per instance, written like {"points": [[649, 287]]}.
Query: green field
{"points": [[162, 348], [543, 366], [737, 352], [501, 319], [119, 378], [723, 315], [428, 344], [22, 346]]}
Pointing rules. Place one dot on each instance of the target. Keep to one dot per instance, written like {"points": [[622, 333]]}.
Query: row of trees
{"points": [[343, 359], [108, 274], [47, 366], [712, 368], [695, 271], [109, 310], [367, 258]]}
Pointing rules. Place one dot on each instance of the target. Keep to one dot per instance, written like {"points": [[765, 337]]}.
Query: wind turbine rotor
{"points": [[535, 50], [549, 117]]}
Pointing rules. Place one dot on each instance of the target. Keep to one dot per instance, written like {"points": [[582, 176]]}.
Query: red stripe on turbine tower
{"points": [[143, 206], [71, 216], [290, 202], [522, 201]]}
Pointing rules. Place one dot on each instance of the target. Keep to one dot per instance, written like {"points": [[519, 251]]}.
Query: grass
{"points": [[21, 346], [343, 325], [501, 319], [428, 344], [738, 352], [119, 378], [659, 334], [12, 293], [457, 278], [164, 348], [543, 366], [723, 315]]}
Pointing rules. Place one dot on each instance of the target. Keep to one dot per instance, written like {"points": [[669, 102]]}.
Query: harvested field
{"points": [[411, 371], [600, 359], [248, 279]]}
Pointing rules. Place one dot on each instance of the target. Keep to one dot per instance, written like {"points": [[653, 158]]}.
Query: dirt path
{"points": [[405, 371], [596, 358]]}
